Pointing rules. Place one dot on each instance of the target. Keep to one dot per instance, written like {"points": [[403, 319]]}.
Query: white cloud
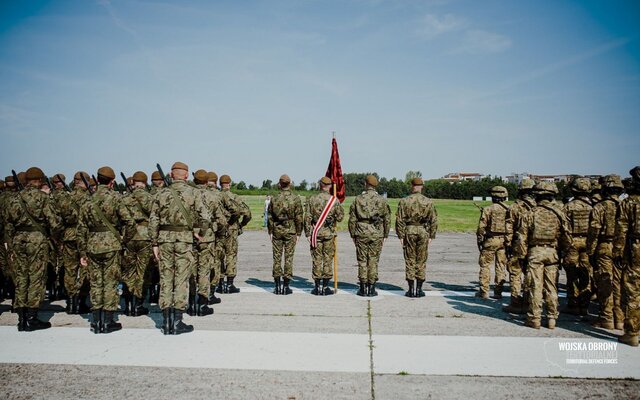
{"points": [[432, 25], [482, 42]]}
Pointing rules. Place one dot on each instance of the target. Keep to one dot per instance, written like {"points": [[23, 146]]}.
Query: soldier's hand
{"points": [[198, 237], [156, 253], [271, 237], [84, 261], [402, 242]]}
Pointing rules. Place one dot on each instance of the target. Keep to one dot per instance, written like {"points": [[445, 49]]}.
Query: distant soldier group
{"points": [[594, 237]]}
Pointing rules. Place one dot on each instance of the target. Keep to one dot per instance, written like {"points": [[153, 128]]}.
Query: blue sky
{"points": [[255, 88]]}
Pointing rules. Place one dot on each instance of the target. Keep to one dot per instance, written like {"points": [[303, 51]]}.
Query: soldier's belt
{"points": [[96, 229], [549, 245], [175, 228], [492, 235], [27, 229]]}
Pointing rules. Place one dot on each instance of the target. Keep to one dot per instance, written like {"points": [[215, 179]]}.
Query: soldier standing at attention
{"points": [[600, 236], [286, 218], [369, 224], [157, 183], [100, 245], [220, 233], [29, 220], [578, 268], [416, 227], [323, 252], [174, 213], [494, 238], [542, 239], [626, 252]]}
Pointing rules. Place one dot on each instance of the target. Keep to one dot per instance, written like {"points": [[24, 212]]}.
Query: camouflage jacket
{"points": [[139, 204], [213, 201], [495, 220], [544, 225], [235, 210], [286, 215], [167, 222], [578, 211], [31, 213], [369, 216], [416, 213], [69, 209], [4, 200], [94, 234], [58, 196], [313, 209], [602, 223], [518, 210], [627, 225]]}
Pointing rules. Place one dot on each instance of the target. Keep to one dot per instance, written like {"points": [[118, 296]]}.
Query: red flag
{"points": [[334, 172]]}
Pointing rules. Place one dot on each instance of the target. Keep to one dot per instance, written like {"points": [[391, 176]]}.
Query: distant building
{"points": [[517, 178], [463, 176]]}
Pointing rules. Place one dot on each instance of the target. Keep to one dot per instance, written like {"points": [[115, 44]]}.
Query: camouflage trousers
{"points": [[176, 264], [322, 259], [104, 270], [286, 245], [136, 265], [31, 254], [515, 277], [579, 275], [227, 254], [493, 250], [75, 276], [608, 276], [416, 251], [204, 256], [632, 289], [543, 263], [368, 255]]}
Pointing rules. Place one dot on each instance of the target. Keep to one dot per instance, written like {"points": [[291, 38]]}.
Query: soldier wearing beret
{"points": [[157, 182], [369, 224], [285, 226], [29, 220], [323, 252], [6, 279], [100, 245], [55, 269], [416, 227]]}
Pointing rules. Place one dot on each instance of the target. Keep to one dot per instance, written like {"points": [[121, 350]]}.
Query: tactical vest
{"points": [[580, 220], [498, 223], [546, 227], [610, 207], [633, 218]]}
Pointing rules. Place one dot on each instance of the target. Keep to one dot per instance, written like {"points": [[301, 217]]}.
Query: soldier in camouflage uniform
{"points": [[176, 210], [543, 238], [221, 232], [416, 227], [578, 268], [29, 220], [7, 267], [138, 254], [286, 218], [608, 274], [3, 251], [157, 183], [227, 241], [322, 255], [100, 246], [626, 252], [494, 238], [55, 269], [369, 224]]}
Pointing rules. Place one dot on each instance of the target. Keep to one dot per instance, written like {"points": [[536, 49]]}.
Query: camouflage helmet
{"points": [[526, 184], [613, 181], [546, 188], [635, 173], [499, 191], [595, 185], [581, 185]]}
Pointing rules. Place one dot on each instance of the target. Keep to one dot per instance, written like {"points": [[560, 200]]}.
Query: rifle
{"points": [[48, 182], [126, 182], [165, 178], [66, 187], [87, 184], [16, 180], [96, 181]]}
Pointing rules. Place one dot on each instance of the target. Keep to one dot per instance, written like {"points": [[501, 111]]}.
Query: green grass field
{"points": [[453, 215]]}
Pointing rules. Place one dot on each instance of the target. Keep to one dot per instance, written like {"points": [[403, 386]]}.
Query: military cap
{"points": [[200, 176], [106, 172], [34, 173], [1, 184], [59, 178], [499, 191], [155, 176], [417, 182], [212, 176], [526, 184], [545, 188], [581, 185], [613, 181], [371, 180], [140, 176], [325, 180], [284, 179], [22, 177], [635, 173], [9, 179], [78, 176], [179, 165], [225, 179]]}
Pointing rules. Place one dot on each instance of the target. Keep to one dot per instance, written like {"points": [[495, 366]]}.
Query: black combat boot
{"points": [[126, 294], [419, 291], [138, 308], [82, 307], [180, 327], [154, 293], [362, 290], [326, 290], [278, 286], [33, 323], [316, 289], [110, 325], [212, 297], [166, 321], [230, 286], [96, 321], [410, 292], [22, 319], [220, 288], [73, 308], [69, 307], [371, 290], [285, 288], [191, 308], [515, 305], [203, 308]]}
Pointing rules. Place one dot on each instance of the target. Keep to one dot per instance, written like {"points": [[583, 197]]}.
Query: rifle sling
{"points": [[105, 221]]}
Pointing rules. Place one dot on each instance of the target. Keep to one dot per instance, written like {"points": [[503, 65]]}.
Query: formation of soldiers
{"points": [[594, 237], [176, 242]]}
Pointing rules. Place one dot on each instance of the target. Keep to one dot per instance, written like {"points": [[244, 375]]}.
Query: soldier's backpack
{"points": [[499, 217]]}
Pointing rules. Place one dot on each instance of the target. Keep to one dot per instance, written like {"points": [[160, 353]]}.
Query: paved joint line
{"points": [[373, 386]]}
